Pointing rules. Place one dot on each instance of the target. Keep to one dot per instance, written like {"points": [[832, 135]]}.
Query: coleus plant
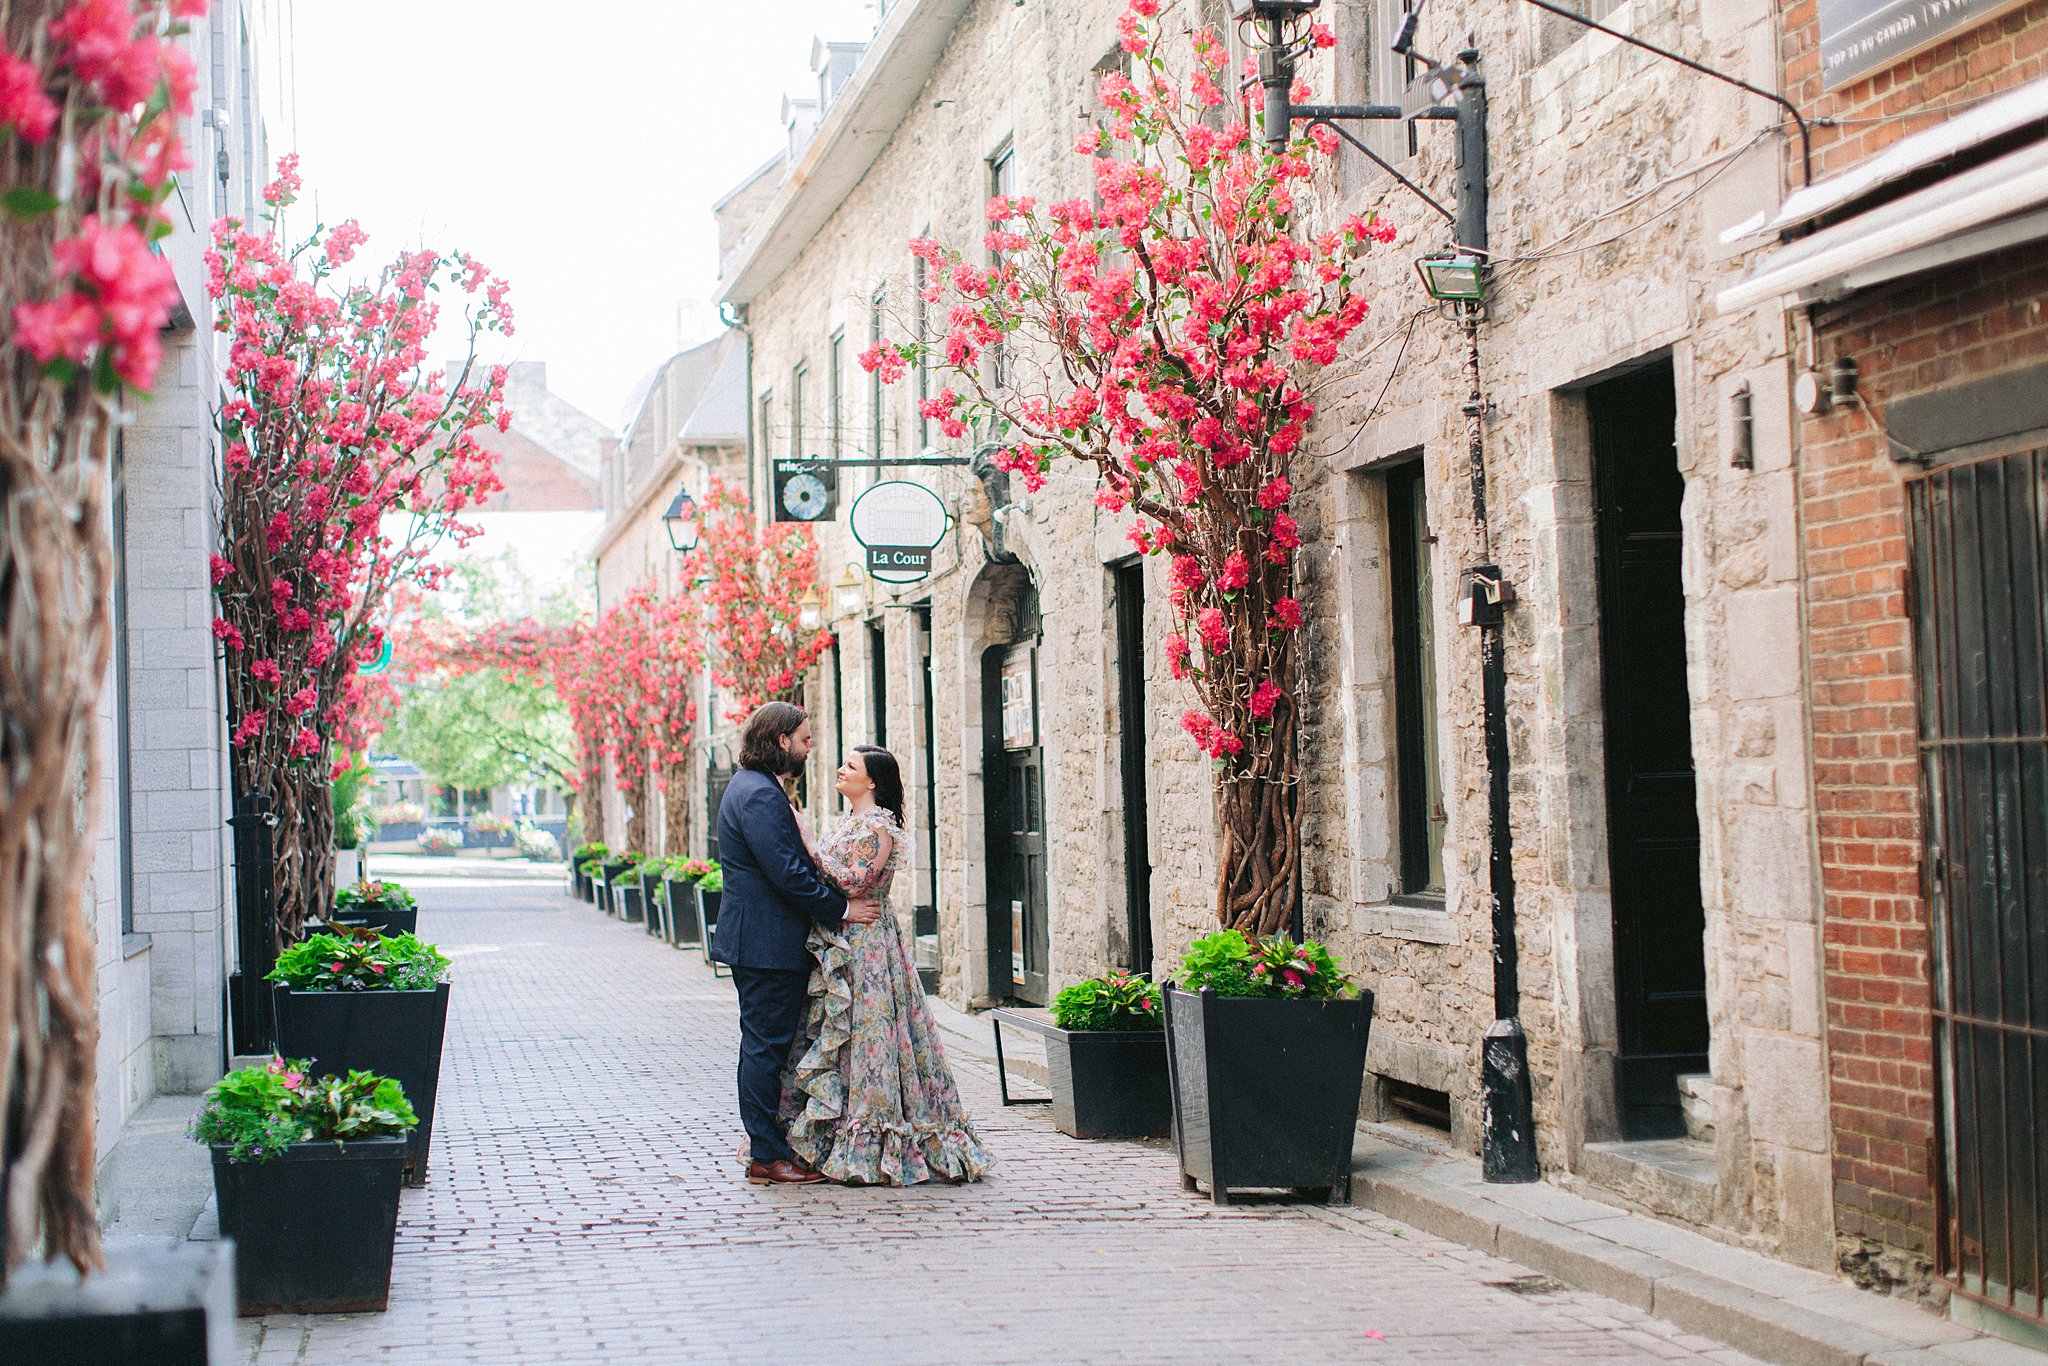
{"points": [[347, 460], [1162, 336]]}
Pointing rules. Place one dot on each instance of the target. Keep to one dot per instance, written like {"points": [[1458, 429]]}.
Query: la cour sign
{"points": [[898, 524]]}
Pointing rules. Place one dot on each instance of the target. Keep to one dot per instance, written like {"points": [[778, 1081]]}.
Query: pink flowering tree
{"points": [[90, 98], [754, 578], [1162, 336], [347, 462]]}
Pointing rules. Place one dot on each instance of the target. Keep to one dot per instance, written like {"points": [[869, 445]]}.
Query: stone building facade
{"points": [[688, 420], [1656, 695], [1914, 276]]}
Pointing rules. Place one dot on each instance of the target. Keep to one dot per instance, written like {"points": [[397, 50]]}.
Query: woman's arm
{"points": [[859, 869]]}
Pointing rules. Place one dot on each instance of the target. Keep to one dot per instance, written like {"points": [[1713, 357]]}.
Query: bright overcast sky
{"points": [[574, 149]]}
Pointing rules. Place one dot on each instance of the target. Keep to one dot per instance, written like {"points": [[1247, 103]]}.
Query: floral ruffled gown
{"points": [[868, 1098]]}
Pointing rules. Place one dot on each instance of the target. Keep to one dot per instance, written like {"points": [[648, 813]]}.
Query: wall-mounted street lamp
{"points": [[681, 521], [810, 609], [1454, 277], [850, 593]]}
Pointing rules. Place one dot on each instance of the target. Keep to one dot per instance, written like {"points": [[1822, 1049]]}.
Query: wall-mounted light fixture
{"points": [[810, 609], [850, 593], [681, 522], [1742, 419], [1456, 277]]}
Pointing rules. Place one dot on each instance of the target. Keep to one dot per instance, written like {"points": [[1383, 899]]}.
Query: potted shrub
{"points": [[492, 831], [535, 844], [1106, 1059], [611, 881], [685, 926], [1265, 1042], [306, 1174], [373, 1002], [399, 820], [588, 864], [442, 841], [628, 903], [384, 907]]}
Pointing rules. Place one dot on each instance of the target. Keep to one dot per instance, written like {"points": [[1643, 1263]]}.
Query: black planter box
{"points": [[626, 897], [650, 902], [395, 1034], [707, 917], [1109, 1083], [609, 884], [1265, 1091], [685, 930], [391, 921], [313, 1227], [153, 1306]]}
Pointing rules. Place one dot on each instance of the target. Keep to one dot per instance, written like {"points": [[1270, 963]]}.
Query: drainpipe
{"points": [[735, 317], [1507, 1122]]}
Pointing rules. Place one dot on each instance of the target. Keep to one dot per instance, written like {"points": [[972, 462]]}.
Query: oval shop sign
{"points": [[898, 523]]}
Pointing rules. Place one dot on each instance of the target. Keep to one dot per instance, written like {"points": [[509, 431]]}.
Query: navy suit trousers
{"points": [[772, 1004]]}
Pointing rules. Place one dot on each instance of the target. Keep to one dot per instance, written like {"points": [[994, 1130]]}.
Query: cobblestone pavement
{"points": [[586, 1205]]}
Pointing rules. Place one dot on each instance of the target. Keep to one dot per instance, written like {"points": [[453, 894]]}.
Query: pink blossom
{"points": [[24, 105]]}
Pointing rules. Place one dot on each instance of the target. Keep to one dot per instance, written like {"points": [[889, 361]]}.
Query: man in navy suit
{"points": [[773, 895]]}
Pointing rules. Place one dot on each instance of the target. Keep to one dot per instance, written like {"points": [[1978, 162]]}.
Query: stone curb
{"points": [[1766, 1307]]}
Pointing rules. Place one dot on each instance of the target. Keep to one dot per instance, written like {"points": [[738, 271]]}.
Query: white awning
{"points": [[1993, 118], [1988, 208]]}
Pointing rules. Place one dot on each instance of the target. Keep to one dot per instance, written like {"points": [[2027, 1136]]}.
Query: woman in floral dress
{"points": [[868, 1098]]}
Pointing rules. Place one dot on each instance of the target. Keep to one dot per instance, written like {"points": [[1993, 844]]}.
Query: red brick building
{"points": [[1915, 273]]}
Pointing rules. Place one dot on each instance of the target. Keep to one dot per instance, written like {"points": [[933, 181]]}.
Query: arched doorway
{"points": [[1013, 789]]}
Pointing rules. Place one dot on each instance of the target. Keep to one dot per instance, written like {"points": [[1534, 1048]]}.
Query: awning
{"points": [[1980, 124], [1985, 209]]}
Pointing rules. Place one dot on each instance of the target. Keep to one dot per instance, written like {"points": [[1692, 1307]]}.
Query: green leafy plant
{"points": [[1114, 1001], [400, 812], [258, 1112], [333, 962], [591, 858], [1230, 963], [536, 843], [373, 896], [349, 794], [439, 841]]}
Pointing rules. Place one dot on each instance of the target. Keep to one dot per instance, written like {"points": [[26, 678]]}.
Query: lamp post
{"points": [[1457, 278], [681, 522]]}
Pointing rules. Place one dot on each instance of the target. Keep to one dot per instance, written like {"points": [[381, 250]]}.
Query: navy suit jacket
{"points": [[773, 891]]}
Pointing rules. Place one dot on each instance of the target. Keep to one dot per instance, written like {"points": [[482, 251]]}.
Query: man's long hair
{"points": [[761, 738]]}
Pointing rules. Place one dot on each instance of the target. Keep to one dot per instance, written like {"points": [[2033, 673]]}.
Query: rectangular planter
{"points": [[650, 902], [313, 1227], [707, 917], [395, 1034], [685, 930], [627, 899], [1109, 1083], [164, 1306], [1265, 1091], [608, 886]]}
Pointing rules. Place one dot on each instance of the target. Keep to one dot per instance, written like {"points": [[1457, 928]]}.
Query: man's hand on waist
{"points": [[865, 911]]}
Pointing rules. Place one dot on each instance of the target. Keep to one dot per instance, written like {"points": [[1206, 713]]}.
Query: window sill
{"points": [[133, 944], [1421, 920]]}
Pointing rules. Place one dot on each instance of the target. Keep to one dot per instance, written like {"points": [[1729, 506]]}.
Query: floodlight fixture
{"points": [[1453, 277]]}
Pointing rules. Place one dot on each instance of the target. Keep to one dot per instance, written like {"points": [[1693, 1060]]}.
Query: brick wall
{"points": [[1971, 320], [1887, 105]]}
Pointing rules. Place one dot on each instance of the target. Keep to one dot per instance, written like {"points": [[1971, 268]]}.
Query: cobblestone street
{"points": [[585, 1205]]}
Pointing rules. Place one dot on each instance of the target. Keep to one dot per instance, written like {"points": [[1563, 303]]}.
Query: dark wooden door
{"points": [[1132, 718], [1014, 804], [1652, 810], [1979, 551]]}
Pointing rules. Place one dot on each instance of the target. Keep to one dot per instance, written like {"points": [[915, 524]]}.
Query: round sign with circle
{"points": [[381, 662], [898, 523]]}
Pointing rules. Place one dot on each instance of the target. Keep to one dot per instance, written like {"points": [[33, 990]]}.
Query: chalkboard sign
{"points": [[1858, 37]]}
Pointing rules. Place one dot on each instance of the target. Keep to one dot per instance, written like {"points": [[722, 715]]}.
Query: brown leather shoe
{"points": [[781, 1172]]}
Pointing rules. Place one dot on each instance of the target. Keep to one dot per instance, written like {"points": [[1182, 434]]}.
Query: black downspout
{"points": [[253, 1016], [1507, 1123]]}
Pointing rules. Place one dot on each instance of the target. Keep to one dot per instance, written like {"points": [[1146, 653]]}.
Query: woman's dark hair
{"points": [[887, 778], [761, 738]]}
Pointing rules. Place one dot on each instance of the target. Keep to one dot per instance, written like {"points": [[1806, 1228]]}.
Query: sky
{"points": [[574, 149]]}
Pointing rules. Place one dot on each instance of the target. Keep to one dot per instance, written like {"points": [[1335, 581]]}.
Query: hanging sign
{"points": [[898, 524], [806, 490], [1858, 37]]}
